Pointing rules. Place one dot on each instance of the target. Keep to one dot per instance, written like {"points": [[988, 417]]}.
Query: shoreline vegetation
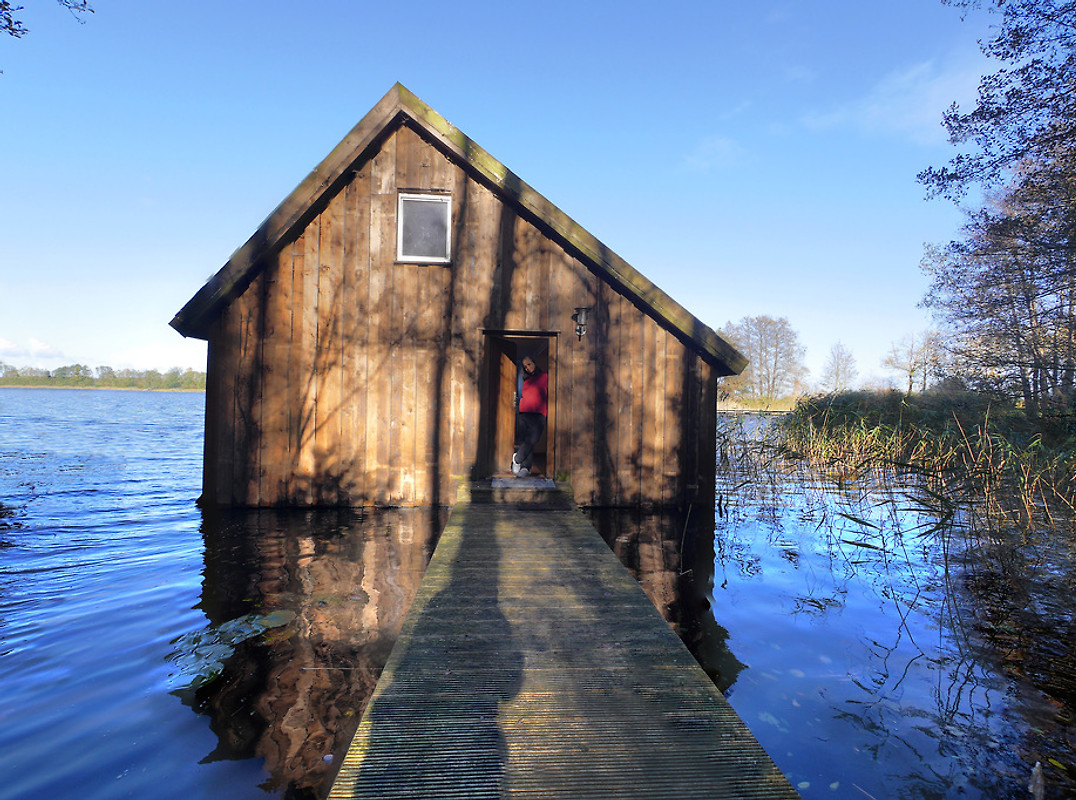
{"points": [[993, 486], [78, 376], [969, 446]]}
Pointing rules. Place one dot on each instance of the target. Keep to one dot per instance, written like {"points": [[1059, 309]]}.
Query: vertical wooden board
{"points": [[571, 288], [691, 419], [650, 486], [493, 245], [382, 263], [442, 174], [426, 324], [274, 458], [583, 417], [219, 419], [661, 419], [410, 159], [707, 433], [377, 380], [305, 375], [330, 346], [556, 284], [460, 382], [539, 255], [621, 369], [383, 170], [555, 312], [619, 401], [535, 284], [468, 300], [438, 434], [234, 437], [395, 335], [475, 265], [412, 366], [212, 412], [552, 462], [354, 312], [602, 351], [520, 292], [561, 285], [449, 443], [675, 417], [248, 396], [635, 385], [402, 443], [225, 421]]}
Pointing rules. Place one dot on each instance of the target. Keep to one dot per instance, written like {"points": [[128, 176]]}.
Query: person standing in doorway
{"points": [[531, 415]]}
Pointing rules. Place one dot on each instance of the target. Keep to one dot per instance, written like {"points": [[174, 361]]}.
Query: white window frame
{"points": [[444, 200]]}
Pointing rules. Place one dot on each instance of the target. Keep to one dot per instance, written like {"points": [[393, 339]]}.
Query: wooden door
{"points": [[505, 433], [505, 351]]}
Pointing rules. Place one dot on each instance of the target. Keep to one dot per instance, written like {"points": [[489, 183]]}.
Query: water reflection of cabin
{"points": [[363, 343]]}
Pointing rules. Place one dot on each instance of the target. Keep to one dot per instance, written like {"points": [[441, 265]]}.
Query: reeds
{"points": [[968, 447]]}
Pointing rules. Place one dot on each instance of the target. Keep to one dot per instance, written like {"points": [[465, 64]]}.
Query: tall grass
{"points": [[969, 446]]}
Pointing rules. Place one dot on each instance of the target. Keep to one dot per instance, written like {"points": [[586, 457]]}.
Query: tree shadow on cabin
{"points": [[303, 608], [434, 727], [620, 444]]}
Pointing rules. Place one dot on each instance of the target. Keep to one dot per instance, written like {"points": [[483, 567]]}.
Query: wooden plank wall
{"points": [[340, 377]]}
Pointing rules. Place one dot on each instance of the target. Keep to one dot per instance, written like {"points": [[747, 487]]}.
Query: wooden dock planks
{"points": [[531, 665]]}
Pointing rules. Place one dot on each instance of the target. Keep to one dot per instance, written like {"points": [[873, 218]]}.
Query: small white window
{"points": [[423, 228]]}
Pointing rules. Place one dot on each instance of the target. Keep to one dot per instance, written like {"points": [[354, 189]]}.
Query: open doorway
{"points": [[505, 351]]}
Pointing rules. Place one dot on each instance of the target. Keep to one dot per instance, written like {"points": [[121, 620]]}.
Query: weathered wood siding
{"points": [[341, 377]]}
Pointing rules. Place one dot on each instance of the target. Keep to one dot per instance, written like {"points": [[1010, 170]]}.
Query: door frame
{"points": [[499, 410]]}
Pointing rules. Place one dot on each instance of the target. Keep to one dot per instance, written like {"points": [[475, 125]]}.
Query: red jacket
{"points": [[535, 395]]}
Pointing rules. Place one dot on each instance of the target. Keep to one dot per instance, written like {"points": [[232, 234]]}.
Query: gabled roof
{"points": [[400, 105]]}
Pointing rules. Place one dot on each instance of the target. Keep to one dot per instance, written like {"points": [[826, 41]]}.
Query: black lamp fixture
{"points": [[580, 320]]}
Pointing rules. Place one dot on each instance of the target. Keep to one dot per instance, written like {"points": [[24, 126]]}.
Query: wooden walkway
{"points": [[531, 665]]}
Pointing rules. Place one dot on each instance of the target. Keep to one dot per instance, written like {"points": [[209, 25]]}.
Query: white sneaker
{"points": [[515, 465], [523, 472]]}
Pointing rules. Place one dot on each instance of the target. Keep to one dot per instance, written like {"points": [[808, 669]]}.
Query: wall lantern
{"points": [[580, 320]]}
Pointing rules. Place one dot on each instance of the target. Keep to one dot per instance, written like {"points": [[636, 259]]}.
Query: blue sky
{"points": [[749, 158]]}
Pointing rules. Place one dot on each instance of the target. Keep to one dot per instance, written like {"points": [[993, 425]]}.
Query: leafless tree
{"points": [[839, 372], [917, 357], [775, 367]]}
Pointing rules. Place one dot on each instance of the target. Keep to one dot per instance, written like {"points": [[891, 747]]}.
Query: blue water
{"points": [[99, 573], [864, 661], [148, 649]]}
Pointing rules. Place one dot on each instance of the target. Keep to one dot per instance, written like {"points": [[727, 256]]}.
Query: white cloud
{"points": [[716, 152], [907, 102], [39, 349], [33, 349], [9, 349]]}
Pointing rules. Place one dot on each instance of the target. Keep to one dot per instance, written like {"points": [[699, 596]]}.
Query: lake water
{"points": [[150, 650]]}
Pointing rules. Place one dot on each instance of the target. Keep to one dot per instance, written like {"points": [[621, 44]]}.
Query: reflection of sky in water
{"points": [[864, 675]]}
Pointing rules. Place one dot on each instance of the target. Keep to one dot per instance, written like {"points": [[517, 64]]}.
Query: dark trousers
{"points": [[529, 427]]}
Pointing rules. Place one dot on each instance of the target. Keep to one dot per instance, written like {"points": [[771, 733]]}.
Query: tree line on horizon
{"points": [[776, 375], [82, 376]]}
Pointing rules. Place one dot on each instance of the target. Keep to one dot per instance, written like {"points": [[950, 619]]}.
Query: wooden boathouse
{"points": [[363, 343]]}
